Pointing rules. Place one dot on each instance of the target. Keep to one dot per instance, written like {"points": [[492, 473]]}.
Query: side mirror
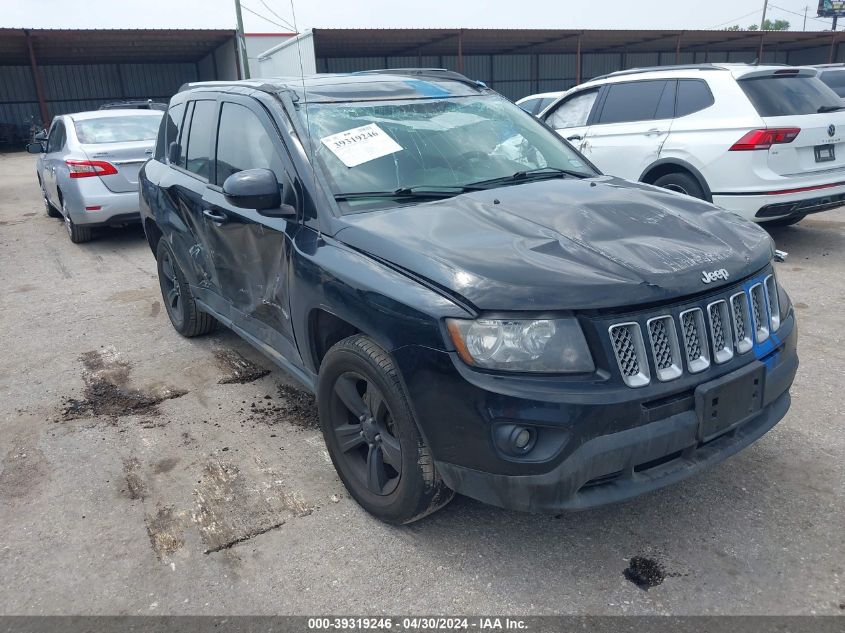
{"points": [[174, 152], [35, 148], [257, 189], [40, 136]]}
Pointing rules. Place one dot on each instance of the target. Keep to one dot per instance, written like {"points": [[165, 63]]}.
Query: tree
{"points": [[768, 25]]}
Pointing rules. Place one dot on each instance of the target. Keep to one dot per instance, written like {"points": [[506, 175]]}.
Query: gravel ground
{"points": [[141, 472]]}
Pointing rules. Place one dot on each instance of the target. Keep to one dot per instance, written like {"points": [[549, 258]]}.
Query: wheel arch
{"points": [[153, 234], [666, 166]]}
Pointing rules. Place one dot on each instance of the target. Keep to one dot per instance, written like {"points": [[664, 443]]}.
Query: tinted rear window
{"points": [[117, 129], [788, 95], [634, 101], [693, 95], [835, 80]]}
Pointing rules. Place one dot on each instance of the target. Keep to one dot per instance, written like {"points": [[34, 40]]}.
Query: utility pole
{"points": [[835, 18], [242, 40], [763, 19], [805, 17]]}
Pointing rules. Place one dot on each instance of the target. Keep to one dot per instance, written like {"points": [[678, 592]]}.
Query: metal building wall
{"points": [[518, 75], [76, 88]]}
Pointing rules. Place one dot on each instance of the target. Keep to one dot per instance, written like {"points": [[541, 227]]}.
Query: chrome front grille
{"points": [[694, 338]]}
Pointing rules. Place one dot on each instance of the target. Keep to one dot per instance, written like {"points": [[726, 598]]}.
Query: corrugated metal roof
{"points": [[381, 42], [75, 46]]}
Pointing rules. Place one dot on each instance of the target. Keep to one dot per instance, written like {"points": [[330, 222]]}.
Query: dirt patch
{"points": [[106, 392], [165, 531], [23, 468], [165, 465], [238, 369], [155, 308], [135, 488], [645, 572], [291, 406]]}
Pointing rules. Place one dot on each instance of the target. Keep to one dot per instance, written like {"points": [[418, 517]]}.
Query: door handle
{"points": [[215, 216], [654, 132], [574, 137]]}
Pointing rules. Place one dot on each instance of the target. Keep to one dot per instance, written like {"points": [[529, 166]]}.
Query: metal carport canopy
{"points": [[386, 42]]}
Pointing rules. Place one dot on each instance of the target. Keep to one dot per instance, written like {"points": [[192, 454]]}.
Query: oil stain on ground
{"points": [[106, 392], [238, 369], [645, 572]]}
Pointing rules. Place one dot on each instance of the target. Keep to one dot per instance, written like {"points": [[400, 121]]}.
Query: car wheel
{"points": [[186, 317], [372, 437], [77, 234], [788, 221], [682, 183], [52, 211]]}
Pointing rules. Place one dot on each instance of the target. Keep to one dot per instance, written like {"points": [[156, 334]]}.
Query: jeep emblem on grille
{"points": [[831, 129], [712, 275]]}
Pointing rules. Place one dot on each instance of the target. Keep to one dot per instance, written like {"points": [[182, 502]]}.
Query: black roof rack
{"points": [[431, 73]]}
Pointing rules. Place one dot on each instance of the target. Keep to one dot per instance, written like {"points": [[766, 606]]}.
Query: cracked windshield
{"points": [[376, 152]]}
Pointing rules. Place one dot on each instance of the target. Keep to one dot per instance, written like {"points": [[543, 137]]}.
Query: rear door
{"points": [[570, 117], [632, 123], [251, 252], [795, 99], [126, 141]]}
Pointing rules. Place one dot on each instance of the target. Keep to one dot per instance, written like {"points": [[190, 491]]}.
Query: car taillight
{"points": [[764, 139], [88, 168]]}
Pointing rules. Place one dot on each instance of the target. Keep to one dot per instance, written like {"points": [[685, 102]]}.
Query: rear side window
{"points": [[693, 95], [573, 112], [169, 131], [243, 143], [198, 149], [635, 101], [56, 140], [835, 80], [530, 106], [788, 95]]}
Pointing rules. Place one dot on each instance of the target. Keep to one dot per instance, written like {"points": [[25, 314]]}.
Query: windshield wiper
{"points": [[830, 108], [528, 174], [421, 193]]}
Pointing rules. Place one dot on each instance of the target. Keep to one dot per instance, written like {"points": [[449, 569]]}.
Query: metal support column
{"points": [[39, 84]]}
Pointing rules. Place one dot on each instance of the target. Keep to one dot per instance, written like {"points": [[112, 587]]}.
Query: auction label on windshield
{"points": [[361, 144]]}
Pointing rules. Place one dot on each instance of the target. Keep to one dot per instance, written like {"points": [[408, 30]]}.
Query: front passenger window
{"points": [[573, 112], [243, 143], [56, 139], [198, 151]]}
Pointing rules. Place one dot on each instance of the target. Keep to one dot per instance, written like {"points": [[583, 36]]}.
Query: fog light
{"points": [[522, 438]]}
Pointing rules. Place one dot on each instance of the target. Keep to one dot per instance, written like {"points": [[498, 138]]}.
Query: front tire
{"points": [[179, 302], [681, 183], [372, 436]]}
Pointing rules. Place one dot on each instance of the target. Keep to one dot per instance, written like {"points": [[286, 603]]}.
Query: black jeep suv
{"points": [[477, 308]]}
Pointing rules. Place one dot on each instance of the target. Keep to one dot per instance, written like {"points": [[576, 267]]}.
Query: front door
{"points": [[250, 252], [54, 154], [569, 117]]}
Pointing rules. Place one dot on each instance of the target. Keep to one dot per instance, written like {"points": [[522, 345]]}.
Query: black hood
{"points": [[564, 244]]}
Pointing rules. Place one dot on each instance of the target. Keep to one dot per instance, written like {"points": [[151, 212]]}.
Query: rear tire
{"points": [[185, 316], [372, 437], [788, 221], [681, 183], [77, 234]]}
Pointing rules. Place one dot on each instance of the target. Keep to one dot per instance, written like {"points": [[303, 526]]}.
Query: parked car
{"points": [[135, 104], [535, 104], [767, 142], [833, 76], [88, 167], [475, 306]]}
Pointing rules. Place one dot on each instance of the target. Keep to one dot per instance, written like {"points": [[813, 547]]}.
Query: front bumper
{"points": [[771, 206], [595, 445]]}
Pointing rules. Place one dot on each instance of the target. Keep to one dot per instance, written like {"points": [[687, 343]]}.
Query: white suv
{"points": [[767, 142]]}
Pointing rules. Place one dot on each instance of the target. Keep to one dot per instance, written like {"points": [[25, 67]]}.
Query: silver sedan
{"points": [[88, 167]]}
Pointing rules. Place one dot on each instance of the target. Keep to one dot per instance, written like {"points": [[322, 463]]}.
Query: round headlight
{"points": [[484, 339]]}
